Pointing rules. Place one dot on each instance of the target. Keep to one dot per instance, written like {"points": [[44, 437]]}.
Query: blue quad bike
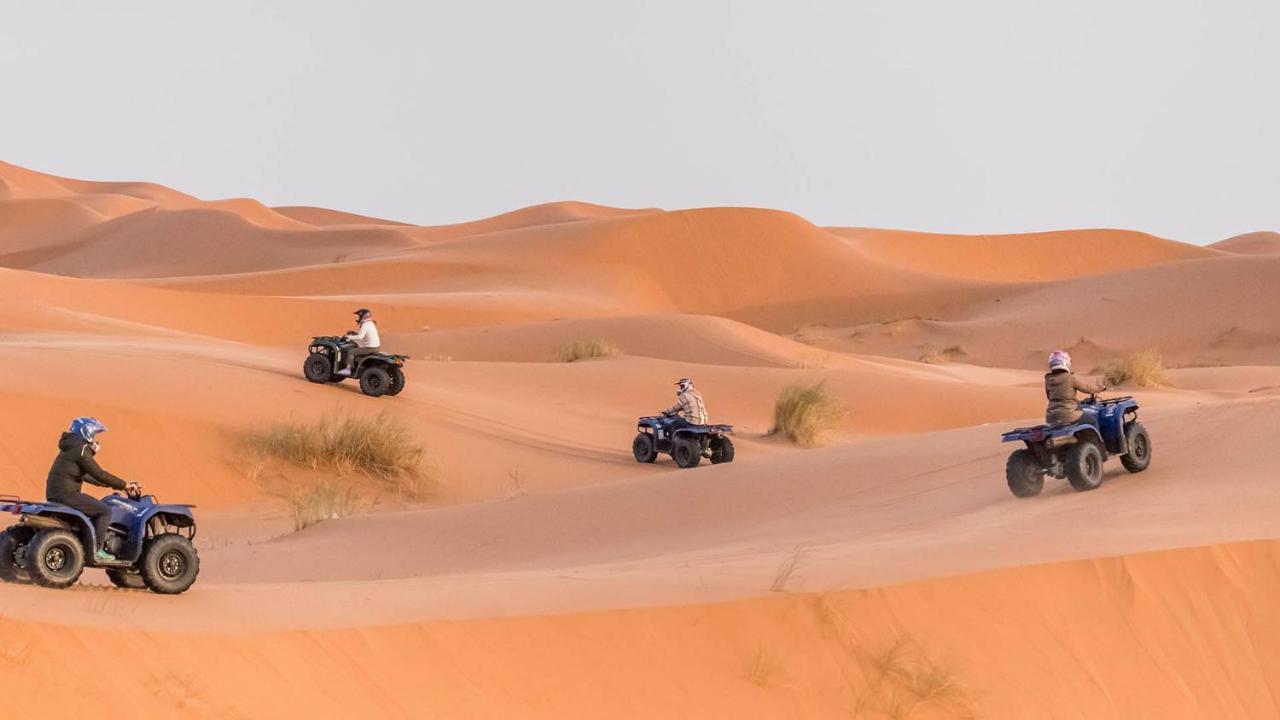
{"points": [[1076, 452], [379, 374], [686, 445], [52, 544]]}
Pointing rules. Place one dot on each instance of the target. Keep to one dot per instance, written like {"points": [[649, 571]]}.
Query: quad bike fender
{"points": [[65, 518]]}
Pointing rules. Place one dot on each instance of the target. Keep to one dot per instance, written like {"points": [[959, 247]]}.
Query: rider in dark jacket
{"points": [[75, 465]]}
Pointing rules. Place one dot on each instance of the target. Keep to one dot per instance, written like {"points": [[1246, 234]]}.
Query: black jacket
{"points": [[75, 465]]}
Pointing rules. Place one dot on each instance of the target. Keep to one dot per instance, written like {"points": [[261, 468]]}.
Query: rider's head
{"points": [[89, 429], [684, 385], [1059, 360], [363, 314]]}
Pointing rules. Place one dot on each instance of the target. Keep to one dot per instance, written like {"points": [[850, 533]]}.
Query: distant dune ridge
{"points": [[550, 575]]}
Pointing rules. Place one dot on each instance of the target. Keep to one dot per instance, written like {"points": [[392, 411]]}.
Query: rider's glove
{"points": [[133, 489]]}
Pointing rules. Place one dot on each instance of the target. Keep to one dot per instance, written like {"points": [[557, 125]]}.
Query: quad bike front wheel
{"points": [[13, 553], [1024, 474], [55, 558], [128, 579], [1139, 455], [644, 448], [1084, 466], [721, 450], [318, 368], [687, 452], [375, 381], [170, 564]]}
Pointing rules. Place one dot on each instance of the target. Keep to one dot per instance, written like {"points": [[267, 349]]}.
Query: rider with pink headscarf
{"points": [[1061, 386]]}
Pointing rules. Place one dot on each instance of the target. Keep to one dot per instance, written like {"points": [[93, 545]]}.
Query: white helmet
{"points": [[1059, 360], [684, 385]]}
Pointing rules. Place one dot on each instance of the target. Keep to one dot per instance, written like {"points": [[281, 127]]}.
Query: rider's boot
{"points": [[103, 556]]}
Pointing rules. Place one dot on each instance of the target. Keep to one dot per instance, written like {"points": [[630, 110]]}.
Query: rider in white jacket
{"points": [[365, 337]]}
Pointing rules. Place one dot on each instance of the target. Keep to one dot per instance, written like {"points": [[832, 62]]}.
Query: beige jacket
{"points": [[1061, 388], [689, 406]]}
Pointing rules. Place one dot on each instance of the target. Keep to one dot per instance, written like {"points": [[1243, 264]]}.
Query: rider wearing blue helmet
{"points": [[75, 465]]}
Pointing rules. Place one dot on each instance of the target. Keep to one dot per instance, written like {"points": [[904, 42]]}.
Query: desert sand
{"points": [[549, 574]]}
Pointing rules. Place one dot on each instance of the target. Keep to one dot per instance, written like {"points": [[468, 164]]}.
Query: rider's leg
{"points": [[96, 511], [354, 355]]}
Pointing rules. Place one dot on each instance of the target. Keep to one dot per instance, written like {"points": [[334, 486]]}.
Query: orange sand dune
{"points": [[1028, 256], [1254, 243], [1220, 310], [551, 575], [324, 217], [1179, 634]]}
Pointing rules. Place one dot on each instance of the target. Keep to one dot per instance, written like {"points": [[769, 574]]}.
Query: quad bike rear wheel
{"points": [[170, 564], [1139, 455], [397, 380], [55, 558], [644, 448], [128, 579], [721, 450], [318, 368], [375, 381], [13, 552], [1084, 466], [1024, 474], [687, 452]]}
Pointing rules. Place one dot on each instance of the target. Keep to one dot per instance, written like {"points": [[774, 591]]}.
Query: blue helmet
{"points": [[87, 428]]}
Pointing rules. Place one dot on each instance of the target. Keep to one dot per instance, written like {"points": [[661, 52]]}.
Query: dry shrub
{"points": [[1145, 368], [587, 349], [325, 500], [806, 414], [934, 355], [906, 681], [380, 447], [811, 361]]}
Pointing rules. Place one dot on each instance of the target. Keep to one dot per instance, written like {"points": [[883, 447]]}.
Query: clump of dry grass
{"points": [[1145, 368], [587, 349], [380, 447], [934, 355], [806, 414], [325, 500], [812, 361], [903, 678]]}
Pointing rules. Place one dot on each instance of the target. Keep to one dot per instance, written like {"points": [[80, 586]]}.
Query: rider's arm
{"points": [[1086, 387], [682, 405], [94, 474], [360, 335]]}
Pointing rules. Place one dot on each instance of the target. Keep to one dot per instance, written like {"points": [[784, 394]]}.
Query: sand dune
{"points": [[1029, 256], [1254, 243], [550, 575]]}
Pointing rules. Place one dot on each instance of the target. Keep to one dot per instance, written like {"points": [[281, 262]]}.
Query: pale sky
{"points": [[980, 116]]}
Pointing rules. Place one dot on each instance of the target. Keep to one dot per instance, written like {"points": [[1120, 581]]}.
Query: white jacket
{"points": [[367, 336]]}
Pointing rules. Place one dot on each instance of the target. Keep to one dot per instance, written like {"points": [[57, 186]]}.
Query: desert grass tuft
{"points": [[1145, 368], [324, 500], [588, 349], [812, 361], [935, 355], [807, 414], [903, 678], [379, 446]]}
